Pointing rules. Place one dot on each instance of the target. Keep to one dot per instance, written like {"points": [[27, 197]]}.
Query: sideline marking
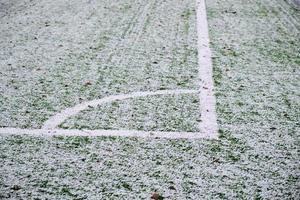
{"points": [[110, 133], [208, 126], [208, 123], [54, 121]]}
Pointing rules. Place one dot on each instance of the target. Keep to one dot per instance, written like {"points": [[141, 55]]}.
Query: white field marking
{"points": [[208, 124], [109, 133], [54, 121]]}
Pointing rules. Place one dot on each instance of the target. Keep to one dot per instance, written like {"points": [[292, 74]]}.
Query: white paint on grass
{"points": [[111, 133], [208, 123], [59, 118]]}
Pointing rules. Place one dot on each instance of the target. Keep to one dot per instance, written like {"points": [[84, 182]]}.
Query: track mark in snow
{"points": [[287, 15], [208, 123], [59, 118], [137, 30]]}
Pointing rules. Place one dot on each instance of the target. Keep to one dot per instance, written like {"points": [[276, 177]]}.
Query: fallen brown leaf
{"points": [[155, 196], [87, 83]]}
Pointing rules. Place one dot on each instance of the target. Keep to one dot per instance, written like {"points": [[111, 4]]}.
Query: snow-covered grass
{"points": [[256, 72], [56, 54], [154, 113]]}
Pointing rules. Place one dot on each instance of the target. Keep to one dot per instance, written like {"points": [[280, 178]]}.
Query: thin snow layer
{"points": [[256, 71], [122, 168], [153, 113], [55, 54]]}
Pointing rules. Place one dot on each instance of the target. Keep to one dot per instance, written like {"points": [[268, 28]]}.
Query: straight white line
{"points": [[54, 121], [111, 133], [208, 123]]}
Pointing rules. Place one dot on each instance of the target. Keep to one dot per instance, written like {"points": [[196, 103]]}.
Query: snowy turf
{"points": [[256, 57], [148, 48]]}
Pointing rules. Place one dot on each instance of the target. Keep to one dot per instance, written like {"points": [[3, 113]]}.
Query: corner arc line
{"points": [[59, 118]]}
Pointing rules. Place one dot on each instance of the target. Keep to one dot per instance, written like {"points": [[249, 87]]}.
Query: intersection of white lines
{"points": [[208, 122]]}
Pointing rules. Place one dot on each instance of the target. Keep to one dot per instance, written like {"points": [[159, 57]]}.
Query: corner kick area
{"points": [[143, 99], [178, 47]]}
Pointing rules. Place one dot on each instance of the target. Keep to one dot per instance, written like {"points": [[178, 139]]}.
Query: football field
{"points": [[132, 66], [121, 99]]}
